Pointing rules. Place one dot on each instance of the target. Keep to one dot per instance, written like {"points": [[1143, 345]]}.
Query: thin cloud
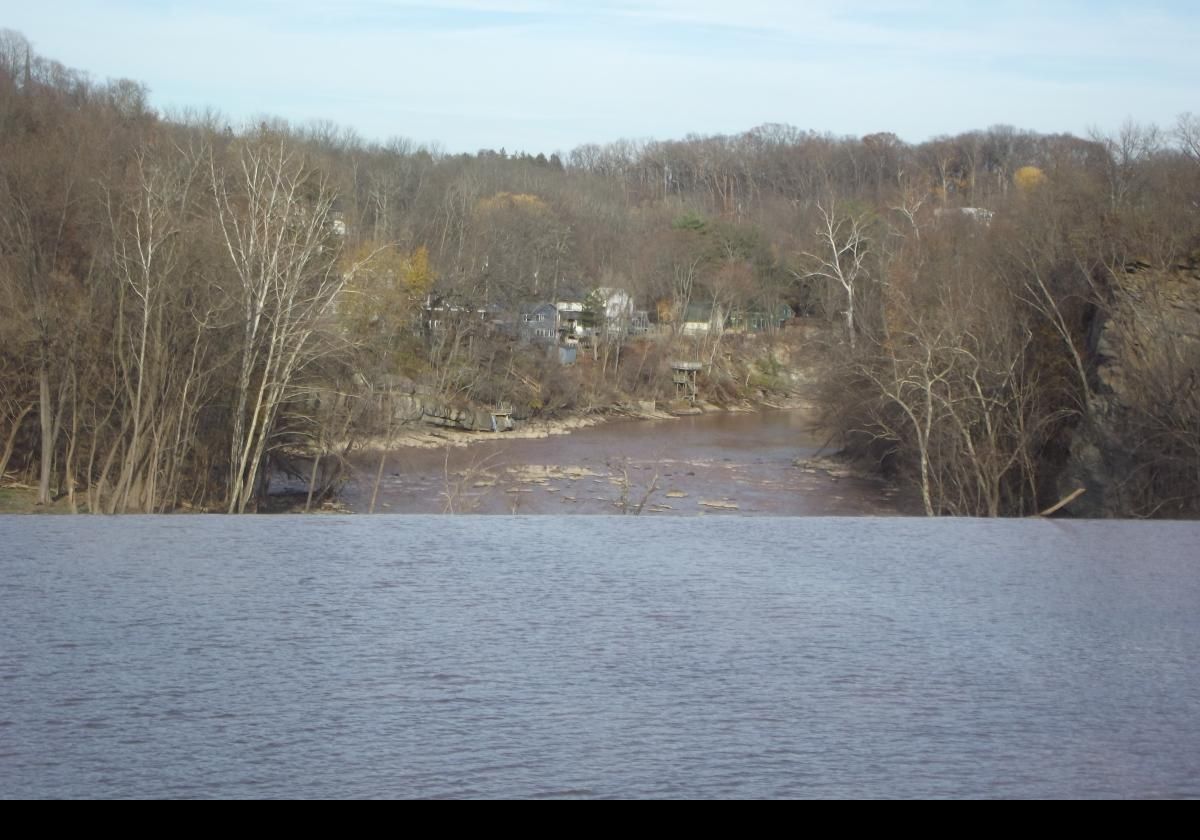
{"points": [[543, 75]]}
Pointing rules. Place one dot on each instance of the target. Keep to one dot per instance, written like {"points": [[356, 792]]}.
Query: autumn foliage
{"points": [[189, 308]]}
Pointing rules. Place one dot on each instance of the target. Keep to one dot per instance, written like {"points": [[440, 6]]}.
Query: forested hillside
{"points": [[999, 317]]}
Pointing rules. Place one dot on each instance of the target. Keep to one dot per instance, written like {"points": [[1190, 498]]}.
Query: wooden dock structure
{"points": [[502, 417], [683, 374]]}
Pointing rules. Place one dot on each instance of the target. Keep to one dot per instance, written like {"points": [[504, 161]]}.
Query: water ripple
{"points": [[596, 658]]}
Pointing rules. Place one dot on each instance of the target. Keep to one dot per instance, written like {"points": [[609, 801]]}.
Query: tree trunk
{"points": [[47, 426], [312, 482], [378, 479], [12, 438], [69, 463]]}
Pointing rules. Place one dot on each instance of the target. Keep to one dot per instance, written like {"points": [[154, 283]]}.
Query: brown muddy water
{"points": [[721, 463]]}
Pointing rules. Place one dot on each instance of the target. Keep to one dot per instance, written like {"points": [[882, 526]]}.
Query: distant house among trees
{"points": [[544, 322], [538, 323], [759, 320], [976, 214], [609, 312], [438, 313], [701, 318], [337, 223], [570, 320]]}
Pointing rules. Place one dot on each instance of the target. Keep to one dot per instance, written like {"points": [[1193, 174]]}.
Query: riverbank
{"points": [[425, 436], [17, 499], [20, 498]]}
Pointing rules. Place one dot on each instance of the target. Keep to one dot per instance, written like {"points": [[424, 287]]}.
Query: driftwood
{"points": [[1063, 502]]}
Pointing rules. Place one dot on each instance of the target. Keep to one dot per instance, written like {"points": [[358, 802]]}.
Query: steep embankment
{"points": [[740, 371], [1137, 451]]}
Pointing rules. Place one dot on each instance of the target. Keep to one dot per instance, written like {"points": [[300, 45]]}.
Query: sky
{"points": [[545, 76]]}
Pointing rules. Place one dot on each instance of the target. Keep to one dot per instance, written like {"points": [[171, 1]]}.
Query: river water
{"points": [[723, 463], [551, 656]]}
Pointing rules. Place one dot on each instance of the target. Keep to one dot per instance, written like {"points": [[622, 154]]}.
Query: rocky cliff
{"points": [[1138, 450], [412, 404]]}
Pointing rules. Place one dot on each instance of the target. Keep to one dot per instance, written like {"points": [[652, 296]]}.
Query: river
{"points": [[745, 637], [552, 656], [721, 463]]}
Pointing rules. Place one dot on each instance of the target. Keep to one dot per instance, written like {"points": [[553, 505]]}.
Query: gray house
{"points": [[538, 323]]}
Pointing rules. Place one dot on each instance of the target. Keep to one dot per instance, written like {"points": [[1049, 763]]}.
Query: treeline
{"points": [[183, 304]]}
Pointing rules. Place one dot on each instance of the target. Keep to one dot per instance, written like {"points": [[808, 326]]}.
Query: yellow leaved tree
{"points": [[506, 201], [1028, 177], [381, 306]]}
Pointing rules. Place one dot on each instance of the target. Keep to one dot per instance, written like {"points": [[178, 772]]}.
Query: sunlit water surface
{"points": [[597, 656]]}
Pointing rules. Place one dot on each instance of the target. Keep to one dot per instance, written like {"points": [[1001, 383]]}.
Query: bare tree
{"points": [[1187, 133], [274, 214], [843, 257], [1125, 153], [619, 469], [457, 485], [164, 325], [39, 196]]}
